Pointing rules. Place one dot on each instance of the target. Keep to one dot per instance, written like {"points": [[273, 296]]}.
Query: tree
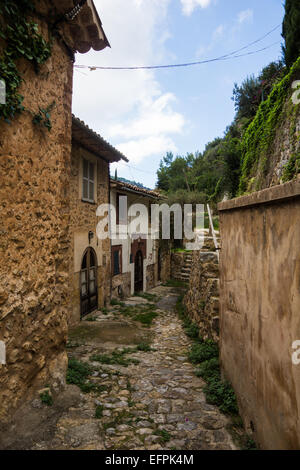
{"points": [[291, 32], [247, 97]]}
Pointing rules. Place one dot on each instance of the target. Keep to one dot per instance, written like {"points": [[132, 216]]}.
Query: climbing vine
{"points": [[259, 136], [21, 40]]}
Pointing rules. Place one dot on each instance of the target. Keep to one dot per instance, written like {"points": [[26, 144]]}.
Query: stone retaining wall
{"points": [[202, 298]]}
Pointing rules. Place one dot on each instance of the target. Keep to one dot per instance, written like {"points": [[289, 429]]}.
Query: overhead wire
{"points": [[230, 55]]}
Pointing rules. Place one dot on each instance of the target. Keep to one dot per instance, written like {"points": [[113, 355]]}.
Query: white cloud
{"points": [[156, 117], [217, 35], [139, 149], [245, 16], [218, 32], [188, 6], [129, 108]]}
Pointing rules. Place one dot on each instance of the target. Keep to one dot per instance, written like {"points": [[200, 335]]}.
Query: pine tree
{"points": [[291, 31]]}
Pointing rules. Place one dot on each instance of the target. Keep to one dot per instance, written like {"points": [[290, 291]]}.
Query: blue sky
{"points": [[147, 113]]}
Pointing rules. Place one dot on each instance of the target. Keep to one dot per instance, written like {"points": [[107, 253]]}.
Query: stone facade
{"points": [[35, 247], [83, 221], [124, 282], [260, 304], [34, 237], [164, 264]]}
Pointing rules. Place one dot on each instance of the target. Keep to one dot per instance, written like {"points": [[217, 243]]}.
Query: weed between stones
{"points": [[46, 398], [144, 313], [78, 373], [163, 434]]}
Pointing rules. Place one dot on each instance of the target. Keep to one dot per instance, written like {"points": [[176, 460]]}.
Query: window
{"points": [[116, 260], [88, 180], [121, 212]]}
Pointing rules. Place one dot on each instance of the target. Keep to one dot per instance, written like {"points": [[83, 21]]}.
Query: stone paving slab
{"points": [[157, 403]]}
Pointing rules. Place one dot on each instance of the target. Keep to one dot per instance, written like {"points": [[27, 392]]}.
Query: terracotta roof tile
{"points": [[132, 187], [88, 138]]}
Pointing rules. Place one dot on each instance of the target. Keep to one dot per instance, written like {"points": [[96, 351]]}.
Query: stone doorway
{"points": [[138, 272], [88, 283]]}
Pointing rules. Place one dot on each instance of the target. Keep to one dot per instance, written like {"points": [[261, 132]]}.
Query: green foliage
{"points": [[78, 373], [147, 296], [292, 168], [143, 313], [175, 283], [146, 318], [116, 357], [145, 347], [99, 411], [253, 90], [217, 171], [46, 398], [259, 136], [209, 369], [164, 435], [221, 394], [116, 302], [22, 40], [247, 97], [42, 118], [203, 351], [291, 32], [192, 331]]}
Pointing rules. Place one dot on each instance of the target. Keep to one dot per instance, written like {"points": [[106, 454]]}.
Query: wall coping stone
{"points": [[274, 194]]}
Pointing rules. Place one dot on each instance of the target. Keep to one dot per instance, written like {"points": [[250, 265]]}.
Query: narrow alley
{"points": [[136, 389]]}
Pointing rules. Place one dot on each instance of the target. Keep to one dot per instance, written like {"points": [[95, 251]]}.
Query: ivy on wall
{"points": [[20, 39], [260, 134]]}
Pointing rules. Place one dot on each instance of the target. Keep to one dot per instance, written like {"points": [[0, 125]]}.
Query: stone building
{"points": [[35, 210], [134, 257], [89, 187]]}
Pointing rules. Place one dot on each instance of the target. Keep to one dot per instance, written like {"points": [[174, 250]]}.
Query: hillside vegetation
{"points": [[261, 147]]}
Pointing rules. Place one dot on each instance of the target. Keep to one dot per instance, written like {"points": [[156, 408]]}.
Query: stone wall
{"points": [[121, 285], [181, 265], [202, 298], [150, 276], [165, 265], [82, 221], [34, 239], [260, 305]]}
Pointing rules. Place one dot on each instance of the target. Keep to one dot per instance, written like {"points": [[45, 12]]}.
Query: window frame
{"points": [[88, 179]]}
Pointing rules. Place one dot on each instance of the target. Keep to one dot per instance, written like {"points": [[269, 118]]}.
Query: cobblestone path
{"points": [[154, 403]]}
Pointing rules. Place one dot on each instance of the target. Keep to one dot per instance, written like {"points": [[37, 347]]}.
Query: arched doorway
{"points": [[88, 283], [138, 272]]}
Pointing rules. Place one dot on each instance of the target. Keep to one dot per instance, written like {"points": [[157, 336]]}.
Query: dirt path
{"points": [[143, 399]]}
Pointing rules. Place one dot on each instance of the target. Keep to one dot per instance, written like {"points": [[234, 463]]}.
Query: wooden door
{"points": [[138, 272], [88, 283]]}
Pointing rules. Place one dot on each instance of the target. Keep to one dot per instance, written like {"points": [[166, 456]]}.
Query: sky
{"points": [[147, 113]]}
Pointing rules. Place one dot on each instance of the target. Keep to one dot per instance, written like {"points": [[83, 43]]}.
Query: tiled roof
{"points": [[121, 185], [89, 139], [82, 29]]}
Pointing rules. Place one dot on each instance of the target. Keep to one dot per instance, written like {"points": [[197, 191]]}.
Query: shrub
{"points": [[221, 394], [203, 351]]}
